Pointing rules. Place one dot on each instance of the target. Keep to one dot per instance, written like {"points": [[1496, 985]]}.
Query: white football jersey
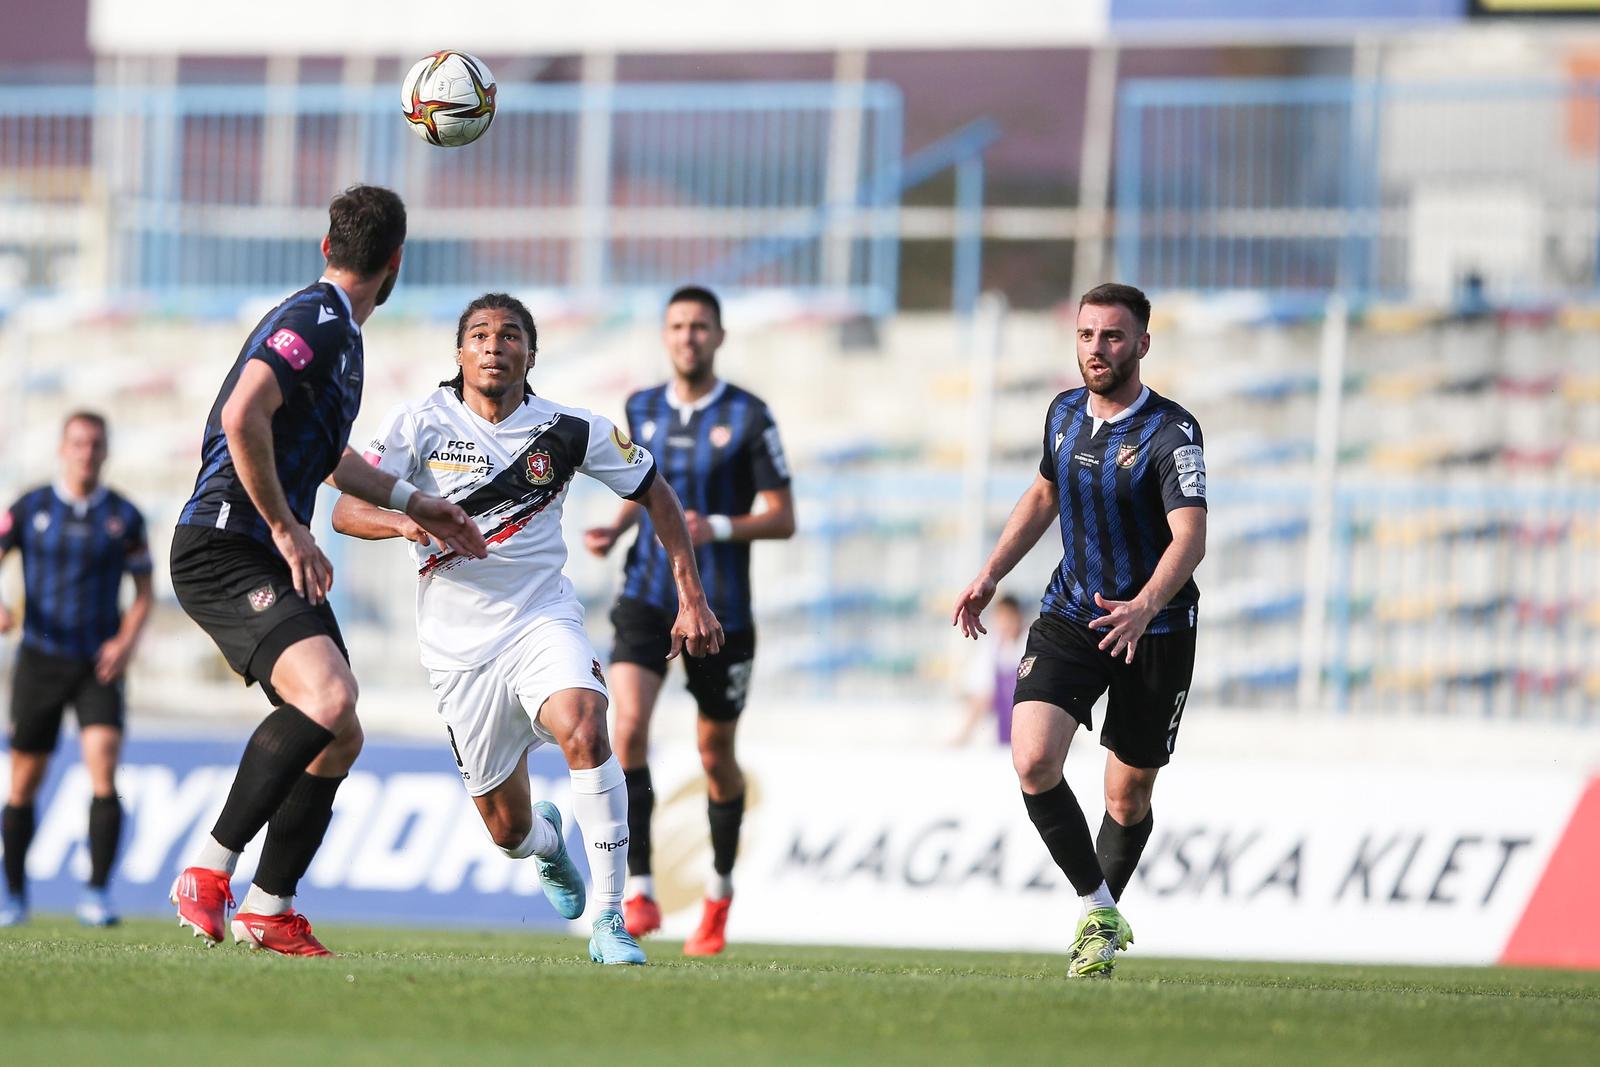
{"points": [[512, 477]]}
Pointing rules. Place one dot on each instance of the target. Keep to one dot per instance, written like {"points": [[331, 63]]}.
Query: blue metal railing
{"points": [[199, 196], [1303, 187]]}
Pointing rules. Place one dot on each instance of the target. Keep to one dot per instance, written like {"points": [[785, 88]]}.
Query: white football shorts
{"points": [[491, 711]]}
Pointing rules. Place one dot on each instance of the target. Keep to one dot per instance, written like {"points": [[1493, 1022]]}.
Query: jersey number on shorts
{"points": [[1177, 713]]}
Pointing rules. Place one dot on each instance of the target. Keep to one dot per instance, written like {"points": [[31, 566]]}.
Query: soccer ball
{"points": [[448, 98]]}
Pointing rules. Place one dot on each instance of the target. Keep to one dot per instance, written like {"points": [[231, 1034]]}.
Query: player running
{"points": [[245, 567], [77, 539], [1124, 469], [719, 447], [503, 639]]}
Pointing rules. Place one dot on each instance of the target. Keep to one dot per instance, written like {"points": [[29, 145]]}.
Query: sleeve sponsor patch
{"points": [[631, 453], [1193, 484], [780, 462], [373, 455], [5, 522], [292, 347], [1189, 459]]}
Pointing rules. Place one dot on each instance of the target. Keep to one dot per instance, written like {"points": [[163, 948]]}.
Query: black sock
{"points": [[295, 833], [1060, 822], [641, 803], [279, 750], [1119, 848], [726, 817], [16, 834], [105, 834]]}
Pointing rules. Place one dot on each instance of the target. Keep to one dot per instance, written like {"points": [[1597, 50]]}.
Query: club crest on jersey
{"points": [[1127, 455], [114, 527], [625, 445], [541, 468], [720, 436], [1025, 668], [263, 598]]}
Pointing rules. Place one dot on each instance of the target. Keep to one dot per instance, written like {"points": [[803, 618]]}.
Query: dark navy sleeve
{"points": [[299, 348], [137, 544], [769, 465], [1181, 463], [1047, 462], [11, 528]]}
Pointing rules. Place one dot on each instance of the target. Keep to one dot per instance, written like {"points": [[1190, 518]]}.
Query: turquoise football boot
{"points": [[563, 885]]}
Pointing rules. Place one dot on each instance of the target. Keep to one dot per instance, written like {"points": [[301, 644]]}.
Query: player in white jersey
{"points": [[503, 637]]}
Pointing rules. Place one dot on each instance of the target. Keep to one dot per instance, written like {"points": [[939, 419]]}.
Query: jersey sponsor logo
{"points": [[594, 669], [325, 314], [780, 462], [1188, 459], [263, 598], [541, 468], [1025, 668], [291, 347], [720, 436], [1193, 484], [1188, 430], [1127, 455], [630, 451], [1059, 438], [372, 456], [5, 522], [1086, 459]]}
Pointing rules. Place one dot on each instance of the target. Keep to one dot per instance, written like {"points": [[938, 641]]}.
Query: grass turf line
{"points": [[146, 993]]}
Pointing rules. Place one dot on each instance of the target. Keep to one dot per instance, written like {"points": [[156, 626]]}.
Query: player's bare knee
{"points": [[1128, 805], [1035, 772], [588, 744]]}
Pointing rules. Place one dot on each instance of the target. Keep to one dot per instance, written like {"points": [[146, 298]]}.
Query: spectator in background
{"points": [[77, 540], [991, 676]]}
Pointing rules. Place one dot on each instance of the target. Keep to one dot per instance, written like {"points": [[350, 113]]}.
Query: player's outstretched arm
{"points": [[600, 540], [1029, 520], [1125, 620], [354, 517], [446, 522], [247, 422], [696, 629]]}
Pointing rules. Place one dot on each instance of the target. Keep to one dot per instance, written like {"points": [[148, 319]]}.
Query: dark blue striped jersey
{"points": [[74, 554], [1114, 487], [313, 348], [717, 455]]}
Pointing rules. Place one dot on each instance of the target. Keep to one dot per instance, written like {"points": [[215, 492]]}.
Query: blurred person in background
{"points": [[503, 638], [718, 446], [77, 539], [990, 678], [1123, 469], [247, 570]]}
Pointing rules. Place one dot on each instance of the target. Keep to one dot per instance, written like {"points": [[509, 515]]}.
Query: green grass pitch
{"points": [[147, 993]]}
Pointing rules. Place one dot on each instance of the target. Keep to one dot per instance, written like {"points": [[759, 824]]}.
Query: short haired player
{"points": [[1124, 471], [503, 637], [247, 570], [719, 446]]}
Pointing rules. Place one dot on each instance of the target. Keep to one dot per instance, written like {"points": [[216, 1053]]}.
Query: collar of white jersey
{"points": [[685, 410], [1125, 413], [344, 298]]}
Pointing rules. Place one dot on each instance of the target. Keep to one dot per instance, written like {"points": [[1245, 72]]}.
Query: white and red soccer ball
{"points": [[448, 98]]}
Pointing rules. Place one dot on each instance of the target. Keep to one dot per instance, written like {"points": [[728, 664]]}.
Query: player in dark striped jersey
{"points": [[77, 539], [718, 446], [247, 570], [1124, 472]]}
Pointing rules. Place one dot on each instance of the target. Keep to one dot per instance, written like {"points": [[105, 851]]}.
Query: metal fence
{"points": [[192, 195], [1437, 192]]}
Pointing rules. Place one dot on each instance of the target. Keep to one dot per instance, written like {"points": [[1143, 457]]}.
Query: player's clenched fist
{"points": [[696, 631]]}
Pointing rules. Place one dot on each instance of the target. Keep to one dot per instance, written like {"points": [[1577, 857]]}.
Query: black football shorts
{"points": [[42, 687], [242, 595], [719, 683], [1063, 665]]}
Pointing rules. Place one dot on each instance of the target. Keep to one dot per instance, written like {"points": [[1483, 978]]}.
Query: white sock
{"points": [[600, 802], [719, 886], [260, 902], [641, 885], [542, 841], [214, 856], [1100, 898]]}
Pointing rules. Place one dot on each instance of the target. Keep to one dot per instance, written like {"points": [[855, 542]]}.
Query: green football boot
{"points": [[1101, 935]]}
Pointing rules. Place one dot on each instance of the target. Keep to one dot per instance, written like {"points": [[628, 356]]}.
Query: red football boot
{"points": [[288, 934], [641, 915], [203, 899], [712, 935]]}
